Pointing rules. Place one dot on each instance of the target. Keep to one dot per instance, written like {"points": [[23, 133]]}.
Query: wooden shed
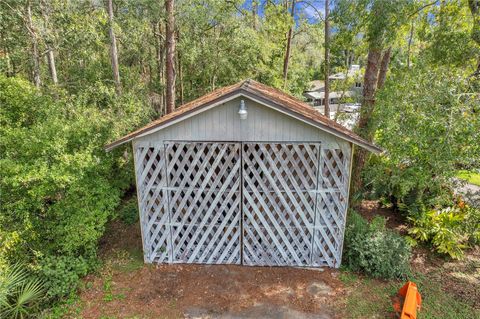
{"points": [[244, 175]]}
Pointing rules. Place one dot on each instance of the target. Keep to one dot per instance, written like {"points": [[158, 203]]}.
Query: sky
{"points": [[308, 8]]}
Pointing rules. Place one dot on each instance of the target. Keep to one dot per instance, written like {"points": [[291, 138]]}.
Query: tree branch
{"points": [[423, 7]]}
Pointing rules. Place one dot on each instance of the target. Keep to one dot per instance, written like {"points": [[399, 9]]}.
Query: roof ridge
{"points": [[246, 83], [250, 86]]}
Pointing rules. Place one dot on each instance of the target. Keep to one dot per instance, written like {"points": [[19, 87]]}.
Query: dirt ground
{"points": [[126, 288], [130, 289], [176, 291], [370, 209]]}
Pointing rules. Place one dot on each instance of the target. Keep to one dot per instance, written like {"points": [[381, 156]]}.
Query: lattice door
{"points": [[294, 199], [279, 206], [204, 200], [332, 207], [153, 202]]}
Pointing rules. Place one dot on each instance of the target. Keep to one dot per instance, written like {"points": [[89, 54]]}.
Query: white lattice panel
{"points": [[293, 198], [280, 181], [204, 201], [332, 203], [154, 212]]}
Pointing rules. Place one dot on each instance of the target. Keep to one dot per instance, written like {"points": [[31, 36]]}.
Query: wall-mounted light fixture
{"points": [[242, 112]]}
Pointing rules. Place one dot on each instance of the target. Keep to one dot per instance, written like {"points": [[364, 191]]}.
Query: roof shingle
{"points": [[255, 90]]}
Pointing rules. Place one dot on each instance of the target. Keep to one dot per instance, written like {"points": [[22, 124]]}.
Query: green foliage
{"points": [[129, 212], [59, 187], [19, 292], [429, 125], [450, 230], [448, 32], [375, 250], [62, 273]]}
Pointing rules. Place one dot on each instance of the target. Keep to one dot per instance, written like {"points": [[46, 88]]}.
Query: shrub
{"points": [[375, 250], [129, 212], [428, 126], [450, 231], [59, 187], [61, 274]]}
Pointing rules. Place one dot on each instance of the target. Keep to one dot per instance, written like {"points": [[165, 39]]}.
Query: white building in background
{"points": [[315, 94]]}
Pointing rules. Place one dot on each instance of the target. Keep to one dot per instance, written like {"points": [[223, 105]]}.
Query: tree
{"points": [[170, 61], [382, 73], [50, 53], [34, 42], [379, 33], [327, 60], [113, 48], [288, 46], [474, 6], [159, 39]]}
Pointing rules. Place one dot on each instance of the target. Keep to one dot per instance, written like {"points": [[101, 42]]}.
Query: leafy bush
{"points": [[429, 126], [450, 231], [20, 293], [129, 212], [375, 250], [62, 273], [59, 187]]}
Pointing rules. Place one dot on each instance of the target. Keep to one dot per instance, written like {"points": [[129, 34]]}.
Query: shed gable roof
{"points": [[258, 92]]}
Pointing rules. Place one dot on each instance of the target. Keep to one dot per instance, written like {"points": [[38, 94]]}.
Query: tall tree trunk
{"points": [[6, 50], [160, 57], [35, 55], [180, 69], [113, 48], [50, 54], [170, 61], [364, 123], [382, 73], [286, 60], [180, 77], [410, 39], [51, 65], [254, 14], [327, 61]]}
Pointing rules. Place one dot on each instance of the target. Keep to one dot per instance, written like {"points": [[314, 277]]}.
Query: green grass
{"points": [[371, 298], [469, 176]]}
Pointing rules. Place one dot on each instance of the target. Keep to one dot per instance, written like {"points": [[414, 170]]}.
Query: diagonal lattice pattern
{"points": [[332, 203], [280, 181], [251, 203], [204, 199], [154, 216]]}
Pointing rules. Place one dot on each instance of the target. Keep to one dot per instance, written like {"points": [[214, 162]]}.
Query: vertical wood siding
{"points": [[165, 237], [222, 123]]}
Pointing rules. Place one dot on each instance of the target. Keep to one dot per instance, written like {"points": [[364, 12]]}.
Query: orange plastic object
{"points": [[411, 299]]}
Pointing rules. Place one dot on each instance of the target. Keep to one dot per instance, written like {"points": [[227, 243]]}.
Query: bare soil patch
{"points": [[127, 288], [461, 278], [371, 208], [168, 291]]}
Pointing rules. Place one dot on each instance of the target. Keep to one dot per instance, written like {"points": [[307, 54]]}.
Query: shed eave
{"points": [[254, 96]]}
